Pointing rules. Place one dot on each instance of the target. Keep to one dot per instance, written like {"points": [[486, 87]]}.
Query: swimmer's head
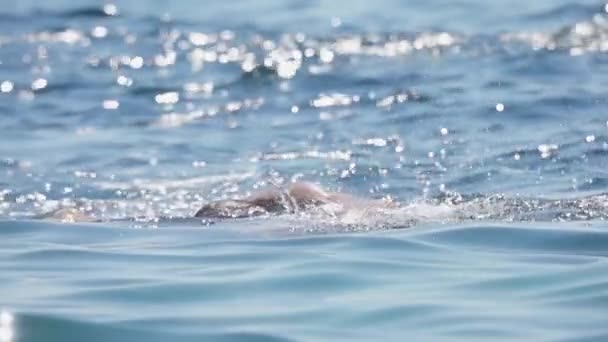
{"points": [[230, 209]]}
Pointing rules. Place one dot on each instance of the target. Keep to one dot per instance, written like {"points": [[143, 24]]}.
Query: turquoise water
{"points": [[473, 282], [486, 122]]}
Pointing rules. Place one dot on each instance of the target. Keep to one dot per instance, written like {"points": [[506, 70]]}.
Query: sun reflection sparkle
{"points": [[6, 326]]}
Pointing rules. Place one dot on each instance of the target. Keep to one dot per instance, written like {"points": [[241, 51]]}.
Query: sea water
{"points": [[486, 121]]}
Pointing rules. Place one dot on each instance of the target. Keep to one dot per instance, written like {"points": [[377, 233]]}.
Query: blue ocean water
{"points": [[486, 121]]}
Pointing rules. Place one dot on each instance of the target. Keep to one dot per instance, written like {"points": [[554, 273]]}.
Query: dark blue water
{"points": [[487, 121]]}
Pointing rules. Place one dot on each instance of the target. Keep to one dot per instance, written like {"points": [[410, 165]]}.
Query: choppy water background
{"points": [[486, 120]]}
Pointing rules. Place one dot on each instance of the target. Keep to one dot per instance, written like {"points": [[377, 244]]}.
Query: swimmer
{"points": [[297, 197]]}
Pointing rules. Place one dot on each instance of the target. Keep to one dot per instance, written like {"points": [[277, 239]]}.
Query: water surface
{"points": [[486, 121]]}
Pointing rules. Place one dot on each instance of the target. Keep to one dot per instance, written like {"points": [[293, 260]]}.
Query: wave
{"points": [[464, 281], [32, 327]]}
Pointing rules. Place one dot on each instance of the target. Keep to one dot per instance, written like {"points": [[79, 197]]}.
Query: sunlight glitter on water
{"points": [[6, 326], [247, 80], [467, 153], [6, 86]]}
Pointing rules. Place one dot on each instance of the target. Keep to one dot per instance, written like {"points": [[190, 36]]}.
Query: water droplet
{"points": [[249, 64], [111, 104], [168, 98], [331, 100], [6, 87], [590, 138], [136, 62], [99, 31], [199, 39], [326, 55], [547, 150], [378, 142], [444, 131], [110, 9], [309, 52], [287, 69], [199, 163], [500, 107], [39, 83], [124, 81]]}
